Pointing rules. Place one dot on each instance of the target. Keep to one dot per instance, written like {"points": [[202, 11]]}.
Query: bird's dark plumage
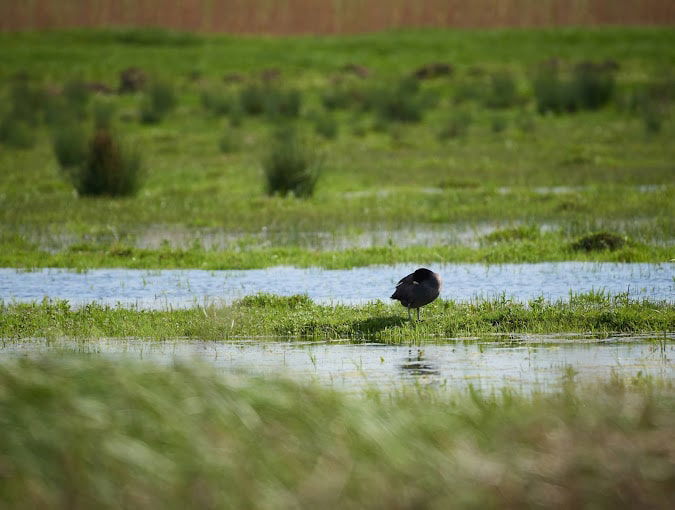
{"points": [[417, 289]]}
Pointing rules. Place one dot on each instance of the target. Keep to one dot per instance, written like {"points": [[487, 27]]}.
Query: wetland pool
{"points": [[522, 362], [162, 289]]}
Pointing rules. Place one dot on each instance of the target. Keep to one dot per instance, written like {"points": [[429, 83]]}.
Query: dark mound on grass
{"points": [[599, 241]]}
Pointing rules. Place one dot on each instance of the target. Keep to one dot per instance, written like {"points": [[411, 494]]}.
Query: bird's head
{"points": [[422, 274]]}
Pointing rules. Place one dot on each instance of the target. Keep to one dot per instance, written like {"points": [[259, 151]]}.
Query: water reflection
{"points": [[533, 363], [416, 365]]}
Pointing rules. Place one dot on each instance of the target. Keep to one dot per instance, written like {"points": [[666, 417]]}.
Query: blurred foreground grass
{"points": [[82, 432], [298, 317]]}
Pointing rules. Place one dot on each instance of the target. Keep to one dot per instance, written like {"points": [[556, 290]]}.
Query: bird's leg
{"points": [[409, 316], [418, 315]]}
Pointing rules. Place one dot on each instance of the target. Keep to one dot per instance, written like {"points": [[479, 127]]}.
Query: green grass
{"points": [[15, 252], [89, 432], [390, 52], [299, 317], [377, 175]]}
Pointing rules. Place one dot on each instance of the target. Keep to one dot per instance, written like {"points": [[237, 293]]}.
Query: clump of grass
{"points": [[469, 90], [343, 94], [520, 233], [456, 126], [106, 167], [552, 92], [291, 165], [274, 101], [265, 300], [158, 101], [216, 101], [599, 241], [651, 101], [593, 84], [402, 102], [132, 79], [281, 102], [589, 86], [252, 99], [502, 92]]}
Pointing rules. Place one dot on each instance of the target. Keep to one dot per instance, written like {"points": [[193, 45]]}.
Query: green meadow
{"points": [[151, 149], [466, 149]]}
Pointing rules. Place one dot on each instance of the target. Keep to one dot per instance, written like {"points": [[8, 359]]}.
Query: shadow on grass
{"points": [[377, 324]]}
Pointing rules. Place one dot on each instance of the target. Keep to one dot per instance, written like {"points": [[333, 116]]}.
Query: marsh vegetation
{"points": [[152, 149], [568, 132]]}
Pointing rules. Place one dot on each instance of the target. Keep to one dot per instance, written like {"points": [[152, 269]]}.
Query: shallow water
{"points": [[519, 362], [179, 237], [373, 235], [462, 282]]}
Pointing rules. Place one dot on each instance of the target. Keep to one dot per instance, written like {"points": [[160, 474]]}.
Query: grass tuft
{"points": [[216, 101], [401, 102], [109, 168], [599, 241], [158, 101], [292, 166], [503, 92], [587, 86]]}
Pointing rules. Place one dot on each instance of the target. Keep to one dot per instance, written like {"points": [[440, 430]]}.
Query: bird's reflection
{"points": [[416, 365]]}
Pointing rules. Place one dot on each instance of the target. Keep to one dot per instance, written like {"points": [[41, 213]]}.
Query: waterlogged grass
{"points": [[299, 317], [87, 432]]}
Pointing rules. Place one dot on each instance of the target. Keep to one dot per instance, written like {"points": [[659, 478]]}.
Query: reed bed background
{"points": [[329, 16]]}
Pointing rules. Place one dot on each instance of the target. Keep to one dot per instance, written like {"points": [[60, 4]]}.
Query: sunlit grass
{"points": [[299, 317], [574, 174]]}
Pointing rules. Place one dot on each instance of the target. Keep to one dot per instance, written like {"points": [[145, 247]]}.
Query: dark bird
{"points": [[418, 289]]}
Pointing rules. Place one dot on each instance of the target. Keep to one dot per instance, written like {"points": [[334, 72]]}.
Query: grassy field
{"points": [[469, 160], [249, 152], [298, 317], [87, 432]]}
